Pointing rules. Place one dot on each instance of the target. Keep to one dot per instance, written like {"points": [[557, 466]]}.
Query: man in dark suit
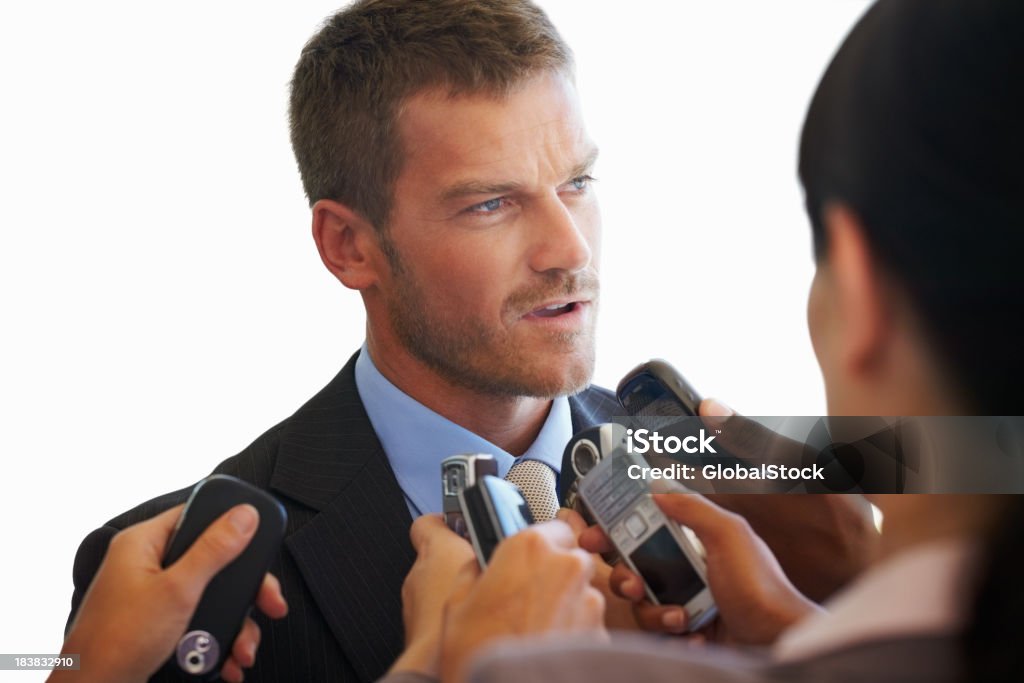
{"points": [[347, 549], [447, 165], [446, 162]]}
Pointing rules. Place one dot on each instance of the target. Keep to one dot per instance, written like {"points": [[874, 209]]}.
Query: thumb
{"points": [[710, 522], [712, 407], [222, 542], [425, 528], [573, 519]]}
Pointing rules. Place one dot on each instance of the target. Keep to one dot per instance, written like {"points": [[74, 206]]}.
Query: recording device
{"points": [[457, 473], [585, 449], [229, 597], [493, 509], [653, 546], [656, 390]]}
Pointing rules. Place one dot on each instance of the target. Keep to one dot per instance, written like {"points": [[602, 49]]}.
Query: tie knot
{"points": [[537, 482]]}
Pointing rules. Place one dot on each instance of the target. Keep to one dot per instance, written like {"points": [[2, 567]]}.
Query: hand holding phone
{"points": [[652, 546], [135, 611], [755, 599], [231, 593]]}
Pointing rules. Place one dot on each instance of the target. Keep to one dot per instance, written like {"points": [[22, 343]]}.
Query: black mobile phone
{"points": [[655, 390], [226, 602], [585, 449], [493, 509]]}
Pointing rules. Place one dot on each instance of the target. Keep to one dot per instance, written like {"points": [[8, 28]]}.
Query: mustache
{"points": [[583, 285]]}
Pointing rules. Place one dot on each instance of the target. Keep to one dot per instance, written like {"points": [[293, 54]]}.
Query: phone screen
{"points": [[666, 569], [646, 397], [510, 508]]}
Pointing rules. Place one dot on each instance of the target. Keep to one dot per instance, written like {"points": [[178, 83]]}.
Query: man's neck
{"points": [[510, 422]]}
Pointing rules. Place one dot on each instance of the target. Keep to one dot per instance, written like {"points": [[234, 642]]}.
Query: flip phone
{"points": [[457, 473], [654, 391], [494, 509]]}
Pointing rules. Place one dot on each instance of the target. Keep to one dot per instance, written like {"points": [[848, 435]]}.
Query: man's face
{"points": [[495, 232]]}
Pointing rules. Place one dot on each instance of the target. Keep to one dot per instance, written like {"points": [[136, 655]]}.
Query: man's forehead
{"points": [[540, 119]]}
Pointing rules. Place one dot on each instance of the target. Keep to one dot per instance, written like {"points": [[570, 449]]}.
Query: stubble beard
{"points": [[469, 354]]}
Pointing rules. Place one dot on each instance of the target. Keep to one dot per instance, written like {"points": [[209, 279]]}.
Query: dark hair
{"points": [[355, 73], [992, 643], [918, 127]]}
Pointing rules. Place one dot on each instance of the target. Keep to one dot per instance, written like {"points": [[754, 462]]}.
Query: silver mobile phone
{"points": [[653, 546], [459, 472]]}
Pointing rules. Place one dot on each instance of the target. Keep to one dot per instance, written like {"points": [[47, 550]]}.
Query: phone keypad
{"points": [[616, 494], [635, 525], [650, 510]]}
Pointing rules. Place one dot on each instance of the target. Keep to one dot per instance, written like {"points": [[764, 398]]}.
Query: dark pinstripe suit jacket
{"points": [[347, 548]]}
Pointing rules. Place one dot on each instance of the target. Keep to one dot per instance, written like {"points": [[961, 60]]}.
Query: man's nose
{"points": [[560, 242]]}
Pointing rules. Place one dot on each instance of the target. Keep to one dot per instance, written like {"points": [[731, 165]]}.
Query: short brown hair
{"points": [[356, 72]]}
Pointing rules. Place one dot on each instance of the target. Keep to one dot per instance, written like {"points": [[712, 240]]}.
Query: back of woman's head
{"points": [[918, 127]]}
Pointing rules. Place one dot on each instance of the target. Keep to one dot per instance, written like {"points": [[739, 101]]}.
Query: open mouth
{"points": [[555, 310]]}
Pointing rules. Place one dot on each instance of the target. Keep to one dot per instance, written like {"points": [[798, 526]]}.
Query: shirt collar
{"points": [[416, 439], [918, 591]]}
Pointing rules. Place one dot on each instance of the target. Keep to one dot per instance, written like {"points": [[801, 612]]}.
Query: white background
{"points": [[162, 300]]}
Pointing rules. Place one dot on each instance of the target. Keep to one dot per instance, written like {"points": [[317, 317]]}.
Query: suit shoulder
{"points": [[597, 393], [151, 508], [253, 464]]}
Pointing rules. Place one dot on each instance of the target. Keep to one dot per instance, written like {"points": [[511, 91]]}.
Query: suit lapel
{"points": [[592, 406], [355, 554]]}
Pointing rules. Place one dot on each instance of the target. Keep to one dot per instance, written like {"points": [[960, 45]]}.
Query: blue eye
{"points": [[490, 206], [581, 183]]}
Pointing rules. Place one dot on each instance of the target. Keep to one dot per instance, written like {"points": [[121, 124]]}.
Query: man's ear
{"points": [[862, 307], [347, 243]]}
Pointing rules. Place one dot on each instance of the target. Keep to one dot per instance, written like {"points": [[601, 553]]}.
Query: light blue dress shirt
{"points": [[416, 439]]}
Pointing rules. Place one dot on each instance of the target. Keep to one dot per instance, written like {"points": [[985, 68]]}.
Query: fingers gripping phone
{"points": [[653, 546], [459, 472], [229, 596]]}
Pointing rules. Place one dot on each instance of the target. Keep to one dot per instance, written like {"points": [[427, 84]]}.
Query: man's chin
{"points": [[520, 369], [525, 380], [558, 379]]}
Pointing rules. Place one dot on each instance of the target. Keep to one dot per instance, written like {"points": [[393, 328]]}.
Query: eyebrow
{"points": [[476, 187], [473, 187], [585, 166]]}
